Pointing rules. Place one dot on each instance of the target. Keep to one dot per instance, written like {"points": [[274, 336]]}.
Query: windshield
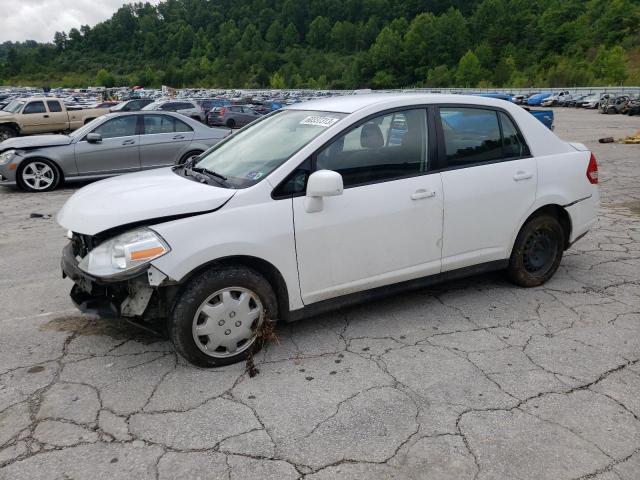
{"points": [[152, 106], [14, 107], [253, 153], [118, 107], [82, 131]]}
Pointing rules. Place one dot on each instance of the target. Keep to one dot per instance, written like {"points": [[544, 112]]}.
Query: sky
{"points": [[39, 19]]}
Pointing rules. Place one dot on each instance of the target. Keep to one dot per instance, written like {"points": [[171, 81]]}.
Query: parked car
{"points": [[615, 105], [112, 144], [311, 207], [536, 99], [576, 101], [27, 116], [208, 103], [107, 104], [634, 107], [185, 107], [232, 116], [132, 105]]}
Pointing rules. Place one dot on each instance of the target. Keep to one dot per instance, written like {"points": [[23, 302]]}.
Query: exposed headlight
{"points": [[125, 253], [6, 157]]}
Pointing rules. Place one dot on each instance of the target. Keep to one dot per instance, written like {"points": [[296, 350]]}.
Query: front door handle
{"points": [[422, 193], [129, 142], [522, 176], [45, 116], [178, 137]]}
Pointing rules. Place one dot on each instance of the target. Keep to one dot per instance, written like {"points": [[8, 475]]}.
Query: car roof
{"points": [[353, 103]]}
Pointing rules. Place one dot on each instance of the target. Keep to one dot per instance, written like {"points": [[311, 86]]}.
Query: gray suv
{"points": [[232, 116], [185, 107]]}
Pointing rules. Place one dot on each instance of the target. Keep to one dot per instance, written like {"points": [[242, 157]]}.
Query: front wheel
{"points": [[537, 252], [220, 316], [38, 176], [6, 133]]}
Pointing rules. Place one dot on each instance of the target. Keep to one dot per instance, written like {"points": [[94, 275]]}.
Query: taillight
{"points": [[222, 111], [592, 170]]}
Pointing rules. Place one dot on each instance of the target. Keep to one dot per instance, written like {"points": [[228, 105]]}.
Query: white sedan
{"points": [[326, 203]]}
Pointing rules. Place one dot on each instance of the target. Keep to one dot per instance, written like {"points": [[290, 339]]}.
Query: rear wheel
{"points": [[219, 317], [38, 175], [537, 251], [188, 156], [231, 123]]}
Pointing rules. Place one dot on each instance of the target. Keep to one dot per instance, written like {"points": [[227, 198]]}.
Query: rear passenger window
{"points": [[54, 106], [513, 143], [471, 135], [181, 126], [34, 107], [154, 124], [384, 148]]}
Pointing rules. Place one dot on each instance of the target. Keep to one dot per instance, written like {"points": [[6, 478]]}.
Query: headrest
{"points": [[371, 136]]}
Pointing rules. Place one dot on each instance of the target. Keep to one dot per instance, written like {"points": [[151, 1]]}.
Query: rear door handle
{"points": [[46, 116], [178, 137], [522, 176], [129, 142], [419, 194]]}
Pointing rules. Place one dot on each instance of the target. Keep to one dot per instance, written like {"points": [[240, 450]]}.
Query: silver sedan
{"points": [[109, 145]]}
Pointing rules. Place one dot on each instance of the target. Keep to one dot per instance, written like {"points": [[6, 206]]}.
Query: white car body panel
{"points": [[482, 207], [370, 236], [265, 232], [135, 197]]}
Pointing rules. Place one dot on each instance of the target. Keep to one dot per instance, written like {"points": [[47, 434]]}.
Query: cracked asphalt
{"points": [[473, 379]]}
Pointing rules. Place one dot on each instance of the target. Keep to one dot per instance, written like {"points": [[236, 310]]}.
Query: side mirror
{"points": [[94, 137], [323, 183]]}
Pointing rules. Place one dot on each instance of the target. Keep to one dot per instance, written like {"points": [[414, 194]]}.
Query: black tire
{"points": [[87, 120], [231, 123], [188, 155], [7, 132], [537, 251], [193, 297], [51, 179]]}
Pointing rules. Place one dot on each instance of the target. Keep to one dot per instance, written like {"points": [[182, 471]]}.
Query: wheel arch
{"points": [[12, 125], [261, 266], [40, 157], [557, 211]]}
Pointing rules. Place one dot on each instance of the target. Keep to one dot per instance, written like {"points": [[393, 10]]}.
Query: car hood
{"points": [[148, 196], [35, 141]]}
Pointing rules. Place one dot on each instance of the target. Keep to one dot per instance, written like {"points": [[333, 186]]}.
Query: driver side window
{"points": [[385, 148]]}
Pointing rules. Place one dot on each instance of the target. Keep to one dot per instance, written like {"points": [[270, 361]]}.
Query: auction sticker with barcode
{"points": [[319, 121]]}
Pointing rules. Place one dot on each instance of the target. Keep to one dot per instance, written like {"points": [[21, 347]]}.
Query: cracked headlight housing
{"points": [[127, 253], [6, 157]]}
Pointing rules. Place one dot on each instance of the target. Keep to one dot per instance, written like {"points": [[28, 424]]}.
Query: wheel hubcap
{"points": [[540, 252], [227, 322], [38, 175]]}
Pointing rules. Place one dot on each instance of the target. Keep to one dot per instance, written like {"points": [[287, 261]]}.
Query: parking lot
{"points": [[473, 379]]}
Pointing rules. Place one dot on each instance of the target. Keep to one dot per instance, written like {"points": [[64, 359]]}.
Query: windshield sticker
{"points": [[254, 175], [319, 121]]}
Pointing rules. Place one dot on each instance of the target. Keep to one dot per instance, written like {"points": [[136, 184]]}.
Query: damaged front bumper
{"points": [[140, 295]]}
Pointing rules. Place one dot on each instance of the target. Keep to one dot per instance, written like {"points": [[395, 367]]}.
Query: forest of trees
{"points": [[341, 44]]}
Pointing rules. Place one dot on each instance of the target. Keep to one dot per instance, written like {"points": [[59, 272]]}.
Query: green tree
{"points": [[290, 35], [277, 81], [318, 34], [610, 65], [104, 79], [469, 71]]}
